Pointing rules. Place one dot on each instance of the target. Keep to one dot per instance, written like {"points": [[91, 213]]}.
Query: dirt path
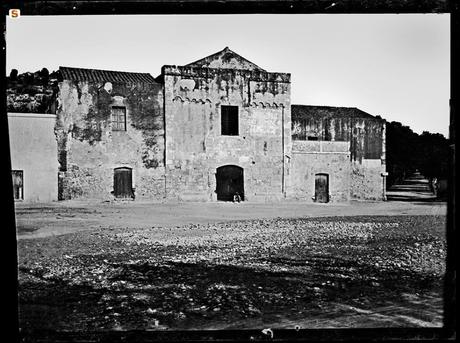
{"points": [[414, 188], [43, 220]]}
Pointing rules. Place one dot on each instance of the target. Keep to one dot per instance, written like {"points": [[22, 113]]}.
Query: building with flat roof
{"points": [[33, 151]]}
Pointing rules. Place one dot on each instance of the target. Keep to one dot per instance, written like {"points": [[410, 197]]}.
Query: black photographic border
{"points": [[10, 282]]}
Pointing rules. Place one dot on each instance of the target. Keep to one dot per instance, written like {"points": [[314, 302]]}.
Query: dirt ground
{"points": [[165, 266], [44, 220]]}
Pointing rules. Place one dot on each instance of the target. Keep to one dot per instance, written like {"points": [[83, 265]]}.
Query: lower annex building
{"points": [[205, 131]]}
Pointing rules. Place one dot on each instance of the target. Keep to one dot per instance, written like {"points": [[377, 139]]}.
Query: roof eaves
{"points": [[98, 75], [343, 111]]}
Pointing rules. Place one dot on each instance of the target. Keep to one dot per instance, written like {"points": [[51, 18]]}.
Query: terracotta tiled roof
{"points": [[303, 111], [97, 75]]}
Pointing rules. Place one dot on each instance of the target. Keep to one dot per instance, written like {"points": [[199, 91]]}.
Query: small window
{"points": [[18, 184], [327, 132], [118, 118], [312, 138], [229, 120]]}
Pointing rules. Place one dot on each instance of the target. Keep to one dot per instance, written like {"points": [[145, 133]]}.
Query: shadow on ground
{"points": [[364, 271], [201, 296]]}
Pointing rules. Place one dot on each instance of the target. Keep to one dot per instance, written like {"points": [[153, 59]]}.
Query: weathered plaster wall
{"points": [[195, 146], [33, 150], [366, 138], [367, 180], [368, 160], [89, 150], [313, 157]]}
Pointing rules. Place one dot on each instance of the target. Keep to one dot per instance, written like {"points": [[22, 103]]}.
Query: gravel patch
{"points": [[272, 270]]}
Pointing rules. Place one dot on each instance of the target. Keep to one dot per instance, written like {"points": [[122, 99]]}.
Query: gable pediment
{"points": [[225, 59]]}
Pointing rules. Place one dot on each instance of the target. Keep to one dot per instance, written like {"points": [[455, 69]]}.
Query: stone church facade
{"points": [[207, 131]]}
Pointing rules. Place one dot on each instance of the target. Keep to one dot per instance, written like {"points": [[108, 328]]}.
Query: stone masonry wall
{"points": [[368, 160], [195, 146], [89, 150], [366, 139], [313, 157], [367, 180]]}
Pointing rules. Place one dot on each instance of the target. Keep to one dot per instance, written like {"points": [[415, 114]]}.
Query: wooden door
{"points": [[123, 183], [321, 187]]}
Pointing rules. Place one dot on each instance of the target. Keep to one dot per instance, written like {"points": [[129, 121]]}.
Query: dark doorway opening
{"points": [[230, 182], [123, 183], [321, 188]]}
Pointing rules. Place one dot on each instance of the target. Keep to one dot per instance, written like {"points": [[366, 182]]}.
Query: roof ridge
{"points": [[328, 106], [104, 70]]}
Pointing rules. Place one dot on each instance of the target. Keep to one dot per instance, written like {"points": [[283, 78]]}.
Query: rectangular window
{"points": [[327, 132], [18, 184], [118, 118], [312, 138], [229, 120]]}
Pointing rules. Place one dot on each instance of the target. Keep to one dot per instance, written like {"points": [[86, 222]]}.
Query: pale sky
{"points": [[393, 65]]}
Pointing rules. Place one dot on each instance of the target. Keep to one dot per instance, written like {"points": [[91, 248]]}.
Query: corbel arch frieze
{"points": [[191, 100]]}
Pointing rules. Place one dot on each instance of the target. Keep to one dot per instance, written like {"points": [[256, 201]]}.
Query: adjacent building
{"points": [[33, 151], [338, 149]]}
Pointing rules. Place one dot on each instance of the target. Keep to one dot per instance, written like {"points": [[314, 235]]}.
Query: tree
{"points": [[44, 75], [28, 79], [434, 155], [408, 151], [13, 75]]}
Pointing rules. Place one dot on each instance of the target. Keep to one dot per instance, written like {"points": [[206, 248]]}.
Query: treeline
{"points": [[32, 92], [407, 151], [40, 77]]}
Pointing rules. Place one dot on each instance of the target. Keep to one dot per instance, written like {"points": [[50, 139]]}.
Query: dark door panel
{"points": [[321, 188], [230, 181], [123, 183]]}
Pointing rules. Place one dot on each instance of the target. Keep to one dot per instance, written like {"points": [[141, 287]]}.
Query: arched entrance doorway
{"points": [[123, 183], [322, 187], [230, 181]]}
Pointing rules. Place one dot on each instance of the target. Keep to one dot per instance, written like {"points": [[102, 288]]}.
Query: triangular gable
{"points": [[225, 59]]}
